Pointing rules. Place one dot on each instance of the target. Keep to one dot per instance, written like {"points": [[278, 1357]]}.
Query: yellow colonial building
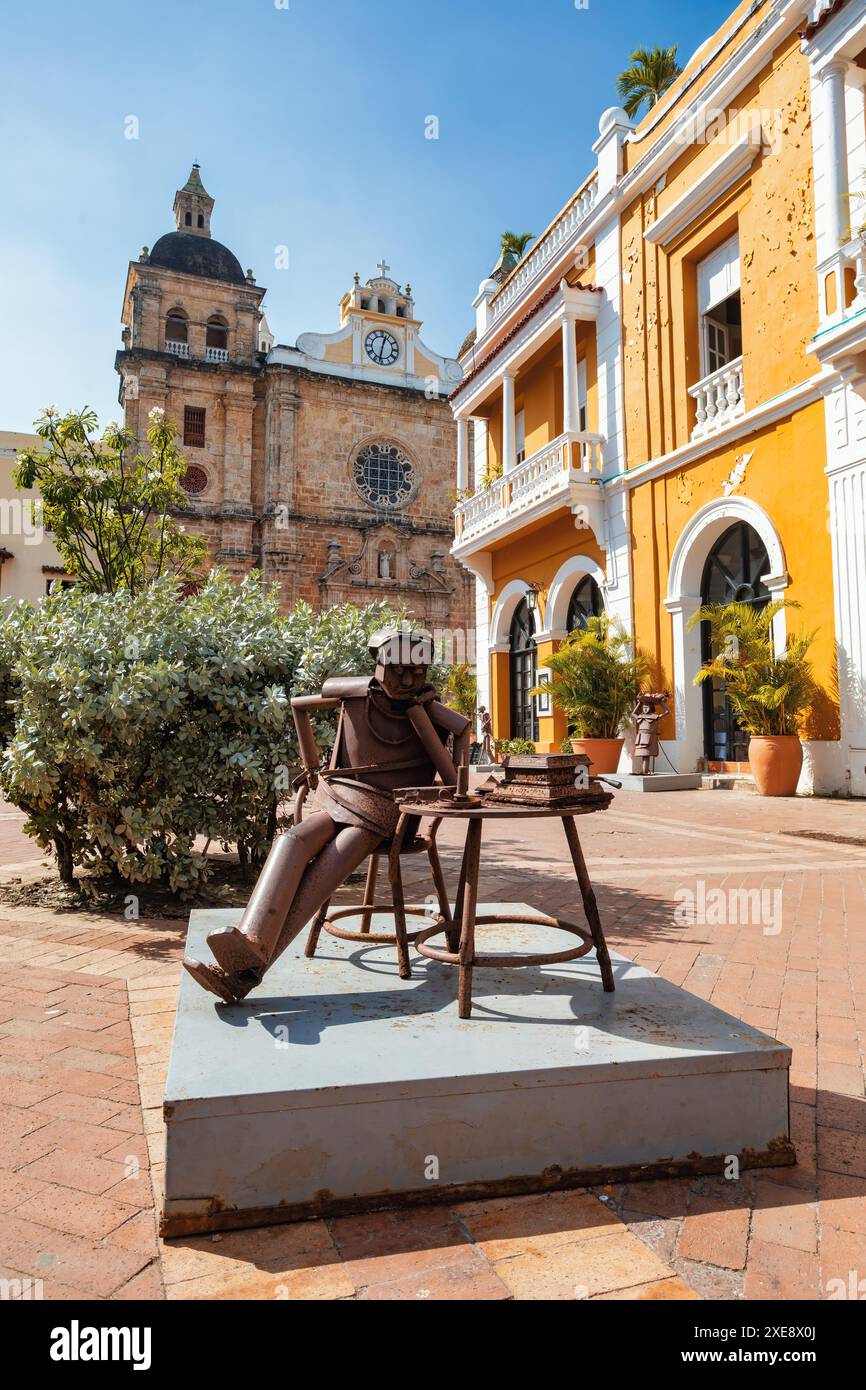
{"points": [[664, 401]]}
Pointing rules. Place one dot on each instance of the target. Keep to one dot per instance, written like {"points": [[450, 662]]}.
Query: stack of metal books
{"points": [[545, 779]]}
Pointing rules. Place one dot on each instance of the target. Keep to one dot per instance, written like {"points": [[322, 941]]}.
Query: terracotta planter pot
{"points": [[776, 764], [603, 753]]}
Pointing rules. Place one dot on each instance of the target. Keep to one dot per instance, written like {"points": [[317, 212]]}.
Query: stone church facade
{"points": [[328, 465]]}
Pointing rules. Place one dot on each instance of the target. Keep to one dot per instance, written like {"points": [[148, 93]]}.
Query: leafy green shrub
{"points": [[514, 745], [769, 694], [595, 677], [142, 721], [459, 689]]}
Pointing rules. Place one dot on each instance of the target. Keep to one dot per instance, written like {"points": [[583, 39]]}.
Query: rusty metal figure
{"points": [[488, 748], [392, 732], [647, 719]]}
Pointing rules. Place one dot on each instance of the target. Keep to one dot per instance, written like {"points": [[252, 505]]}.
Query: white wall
{"points": [[22, 576]]}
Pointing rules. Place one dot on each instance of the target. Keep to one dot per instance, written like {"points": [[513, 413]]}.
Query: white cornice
{"points": [[805, 393], [282, 356], [706, 189], [744, 64], [583, 304], [841, 339]]}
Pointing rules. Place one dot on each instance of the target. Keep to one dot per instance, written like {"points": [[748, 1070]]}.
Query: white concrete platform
{"points": [[659, 781], [337, 1086]]}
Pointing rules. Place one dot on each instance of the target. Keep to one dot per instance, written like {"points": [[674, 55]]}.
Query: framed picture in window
{"points": [[543, 702]]}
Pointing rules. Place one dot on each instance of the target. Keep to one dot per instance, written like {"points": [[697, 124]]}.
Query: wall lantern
{"points": [[532, 598]]}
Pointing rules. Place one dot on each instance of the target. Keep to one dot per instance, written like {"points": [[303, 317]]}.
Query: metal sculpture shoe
{"points": [[235, 952], [231, 989]]}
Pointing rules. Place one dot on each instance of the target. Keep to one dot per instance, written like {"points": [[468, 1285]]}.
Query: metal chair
{"points": [[400, 937]]}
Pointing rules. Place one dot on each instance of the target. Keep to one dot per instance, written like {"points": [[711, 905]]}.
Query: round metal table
{"points": [[460, 932]]}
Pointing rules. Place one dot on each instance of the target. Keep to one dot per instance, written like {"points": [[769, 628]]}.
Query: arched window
{"points": [[732, 574], [177, 332], [216, 340], [187, 221], [523, 671], [217, 332], [586, 602], [383, 307], [200, 220]]}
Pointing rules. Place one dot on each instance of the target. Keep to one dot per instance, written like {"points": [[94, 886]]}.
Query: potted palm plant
{"points": [[594, 679], [769, 693]]}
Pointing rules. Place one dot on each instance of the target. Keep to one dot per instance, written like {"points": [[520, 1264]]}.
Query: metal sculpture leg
{"points": [[590, 906], [452, 934], [340, 857], [370, 893], [316, 929], [395, 878], [469, 883], [438, 876]]}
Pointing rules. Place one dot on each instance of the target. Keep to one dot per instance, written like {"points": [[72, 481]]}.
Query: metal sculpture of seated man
{"points": [[392, 732]]}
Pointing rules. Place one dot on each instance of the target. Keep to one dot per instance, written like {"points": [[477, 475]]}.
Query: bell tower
{"points": [[193, 206]]}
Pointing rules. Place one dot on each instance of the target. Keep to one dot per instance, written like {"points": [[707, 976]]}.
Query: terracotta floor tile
{"points": [[517, 1225], [780, 1218], [588, 1267], [718, 1236]]}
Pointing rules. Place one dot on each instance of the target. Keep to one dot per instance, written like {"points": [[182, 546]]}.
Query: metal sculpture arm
{"points": [[310, 756]]}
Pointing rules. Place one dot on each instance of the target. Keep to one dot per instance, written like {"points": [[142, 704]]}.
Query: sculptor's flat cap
{"points": [[402, 646]]}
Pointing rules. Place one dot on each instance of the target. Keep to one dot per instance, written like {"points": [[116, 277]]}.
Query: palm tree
{"points": [[515, 243], [653, 70]]}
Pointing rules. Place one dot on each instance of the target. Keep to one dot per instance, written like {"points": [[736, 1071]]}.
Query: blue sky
{"points": [[309, 124]]}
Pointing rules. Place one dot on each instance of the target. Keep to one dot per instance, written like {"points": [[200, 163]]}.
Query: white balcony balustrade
{"points": [[178, 349], [565, 472], [719, 398], [855, 255], [547, 248], [215, 354]]}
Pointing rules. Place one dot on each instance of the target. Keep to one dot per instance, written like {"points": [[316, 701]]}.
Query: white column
{"points": [[570, 392], [462, 453], [835, 125], [509, 428]]}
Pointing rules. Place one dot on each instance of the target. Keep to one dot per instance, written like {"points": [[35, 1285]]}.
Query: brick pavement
{"points": [[86, 1012]]}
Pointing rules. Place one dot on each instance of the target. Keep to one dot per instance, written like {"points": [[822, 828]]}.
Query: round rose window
{"points": [[383, 475], [194, 479]]}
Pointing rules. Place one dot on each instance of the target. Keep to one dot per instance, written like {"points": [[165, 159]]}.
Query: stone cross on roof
{"points": [[384, 268]]}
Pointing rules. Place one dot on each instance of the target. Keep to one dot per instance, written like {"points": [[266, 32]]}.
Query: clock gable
{"points": [[378, 340]]}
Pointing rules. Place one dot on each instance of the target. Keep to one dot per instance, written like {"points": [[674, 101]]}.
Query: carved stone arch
{"points": [[690, 553], [562, 587]]}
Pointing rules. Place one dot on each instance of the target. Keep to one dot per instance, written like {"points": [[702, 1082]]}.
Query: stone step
{"points": [[728, 782]]}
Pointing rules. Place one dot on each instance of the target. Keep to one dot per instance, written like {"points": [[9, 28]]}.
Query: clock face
{"points": [[382, 347]]}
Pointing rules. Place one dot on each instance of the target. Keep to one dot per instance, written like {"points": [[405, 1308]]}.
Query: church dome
{"points": [[197, 255]]}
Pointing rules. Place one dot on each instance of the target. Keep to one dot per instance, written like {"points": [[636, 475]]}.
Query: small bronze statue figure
{"points": [[488, 752], [392, 733], [647, 719]]}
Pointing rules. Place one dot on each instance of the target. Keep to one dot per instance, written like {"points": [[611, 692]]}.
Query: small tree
{"points": [[108, 505], [515, 243], [460, 689], [595, 677], [770, 694], [652, 71]]}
